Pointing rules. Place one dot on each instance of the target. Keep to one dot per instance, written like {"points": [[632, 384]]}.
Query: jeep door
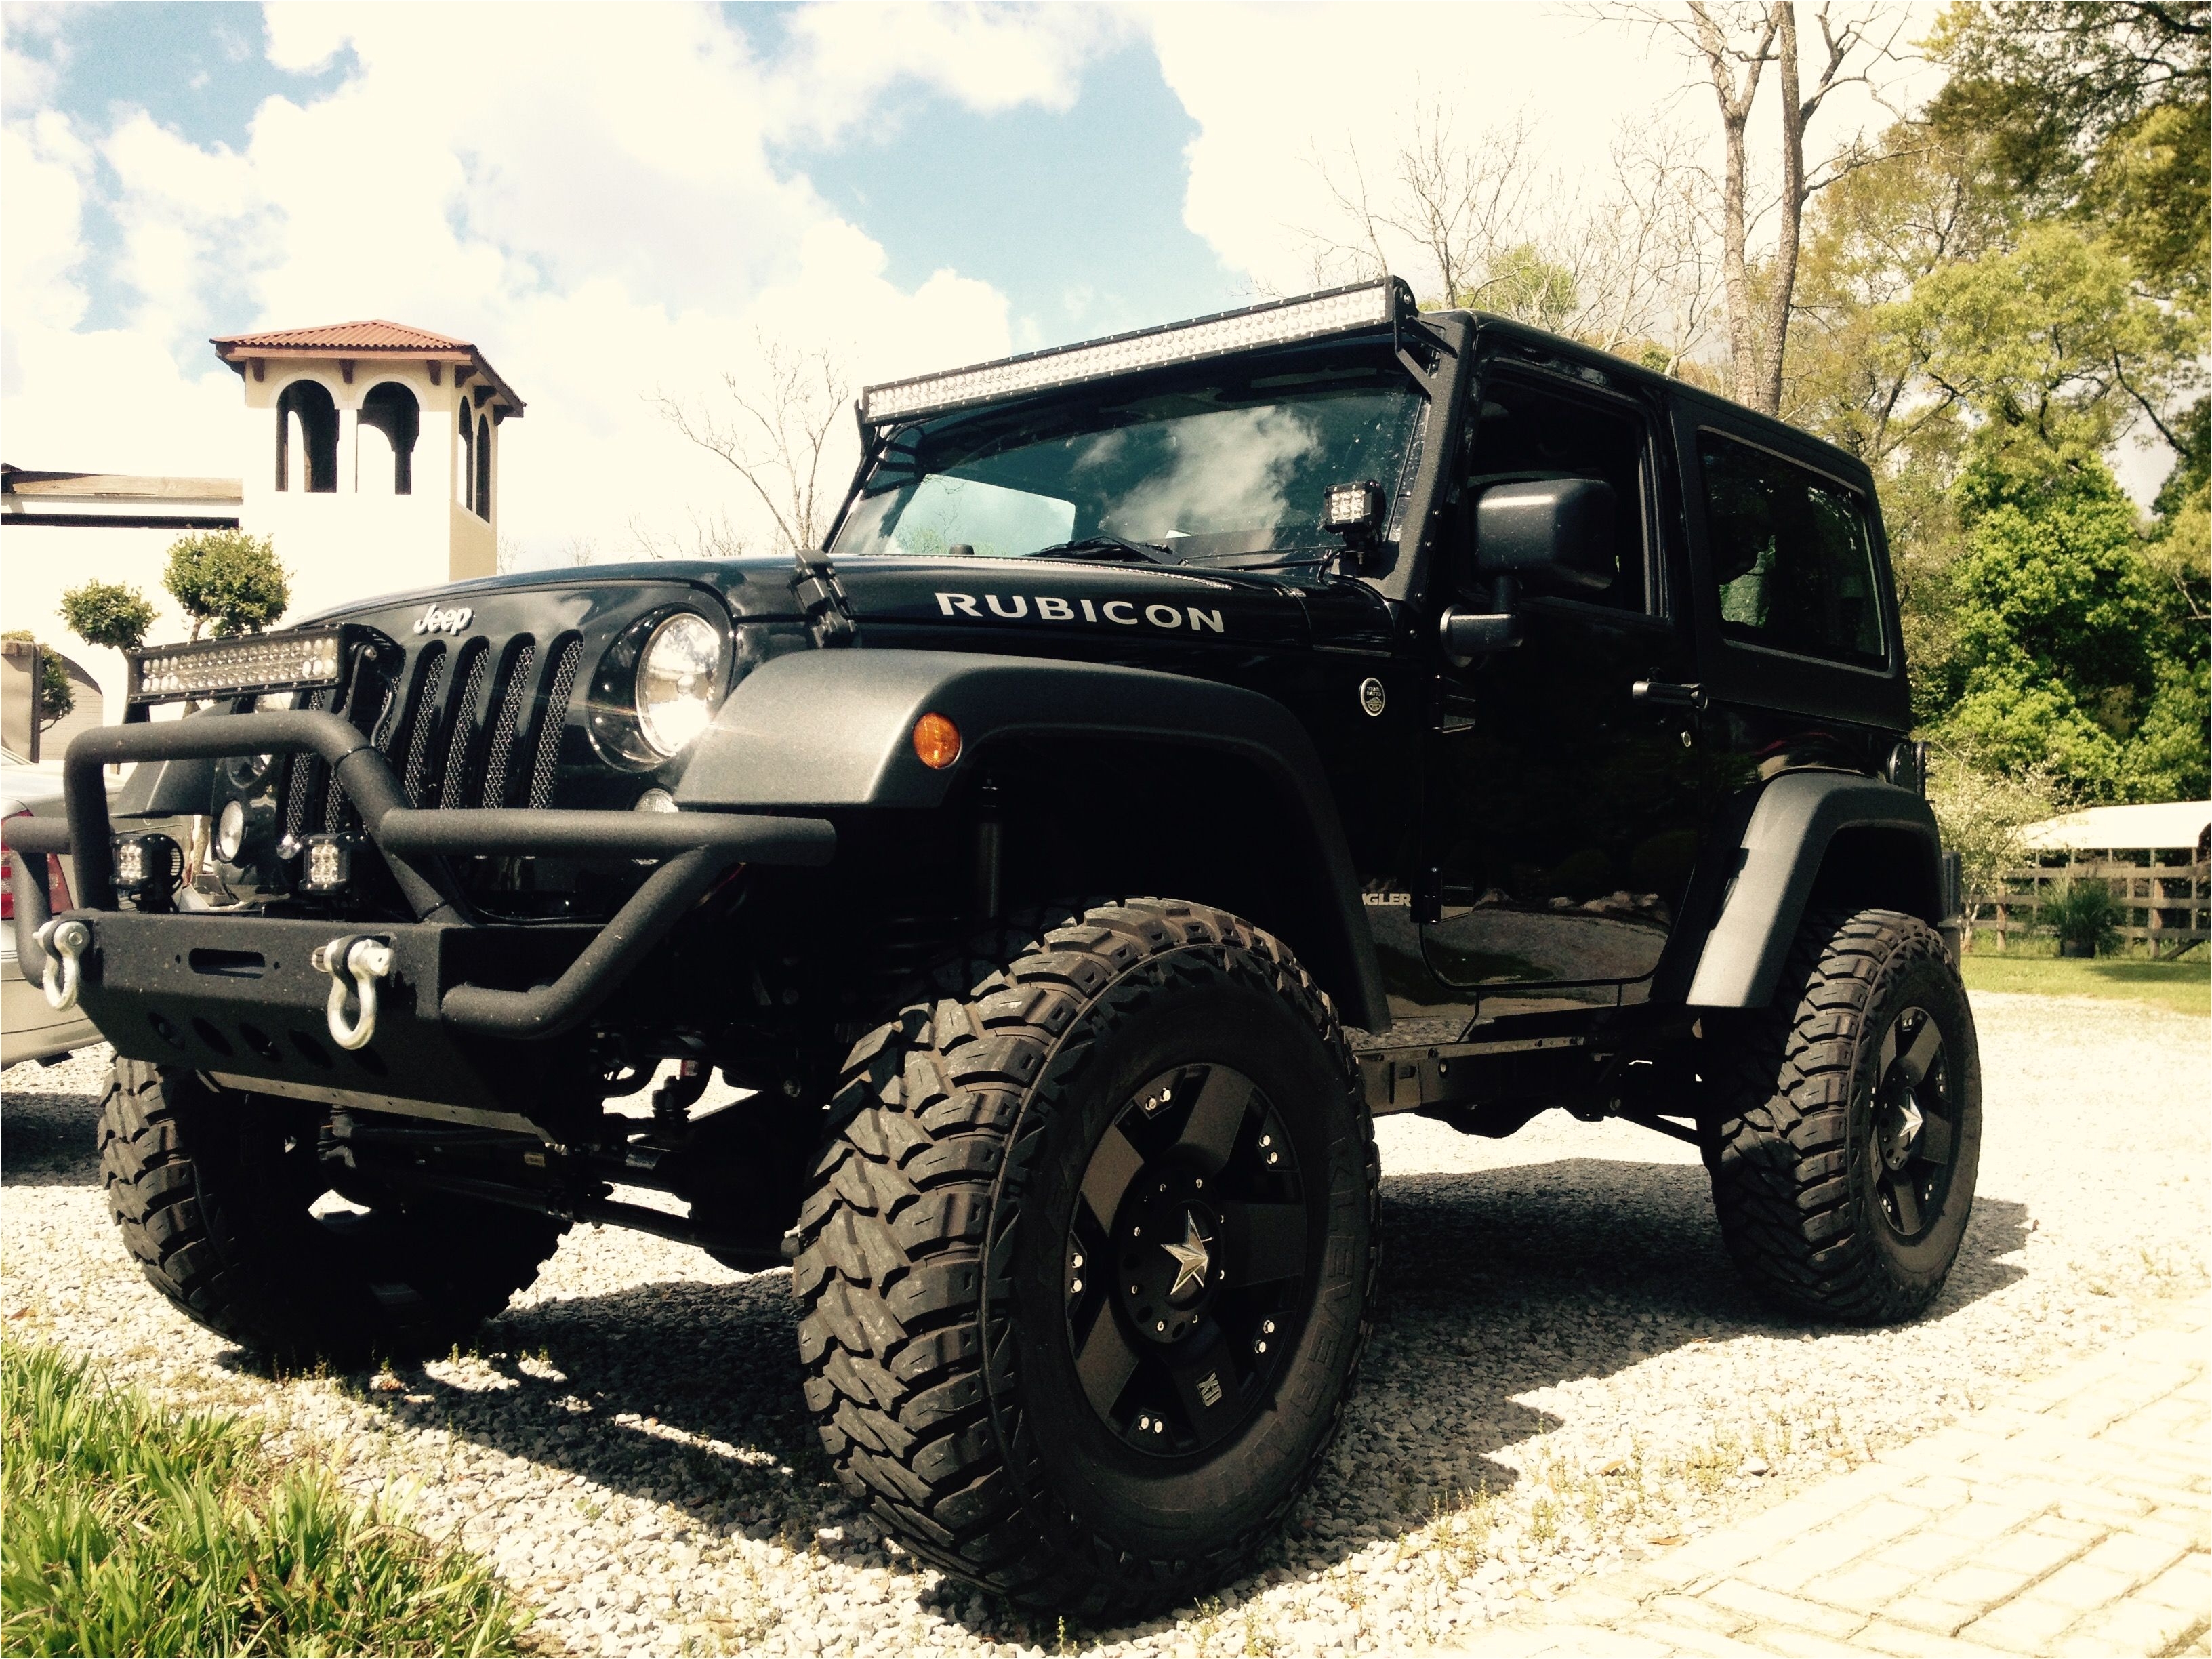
{"points": [[1563, 805]]}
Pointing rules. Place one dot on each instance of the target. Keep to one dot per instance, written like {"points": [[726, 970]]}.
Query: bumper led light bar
{"points": [[230, 668], [1279, 322]]}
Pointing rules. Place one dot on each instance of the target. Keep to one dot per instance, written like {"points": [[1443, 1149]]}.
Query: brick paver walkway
{"points": [[2071, 1517]]}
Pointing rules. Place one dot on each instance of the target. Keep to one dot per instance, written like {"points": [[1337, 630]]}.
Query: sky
{"points": [[620, 204]]}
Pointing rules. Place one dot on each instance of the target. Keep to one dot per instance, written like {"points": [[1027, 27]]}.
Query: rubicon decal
{"points": [[1045, 608]]}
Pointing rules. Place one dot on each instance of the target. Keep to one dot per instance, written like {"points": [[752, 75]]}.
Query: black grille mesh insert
{"points": [[522, 659], [475, 665], [421, 722], [552, 717]]}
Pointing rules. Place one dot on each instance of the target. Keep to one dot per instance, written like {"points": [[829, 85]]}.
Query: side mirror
{"points": [[1554, 534]]}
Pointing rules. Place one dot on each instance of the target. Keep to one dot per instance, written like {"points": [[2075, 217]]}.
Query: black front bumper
{"points": [[229, 993]]}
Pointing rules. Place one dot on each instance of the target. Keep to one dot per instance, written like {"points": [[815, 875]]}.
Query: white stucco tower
{"points": [[375, 464]]}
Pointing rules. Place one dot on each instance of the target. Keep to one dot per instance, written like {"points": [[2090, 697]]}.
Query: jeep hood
{"points": [[1023, 603]]}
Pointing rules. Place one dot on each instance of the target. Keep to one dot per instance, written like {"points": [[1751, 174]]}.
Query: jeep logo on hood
{"points": [[1045, 608], [436, 621]]}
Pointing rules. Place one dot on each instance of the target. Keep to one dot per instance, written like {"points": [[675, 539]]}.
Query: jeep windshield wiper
{"points": [[1109, 549]]}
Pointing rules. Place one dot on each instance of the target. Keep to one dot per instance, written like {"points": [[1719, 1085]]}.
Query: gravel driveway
{"points": [[1567, 1376]]}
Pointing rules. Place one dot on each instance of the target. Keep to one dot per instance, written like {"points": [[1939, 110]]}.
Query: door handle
{"points": [[1667, 695]]}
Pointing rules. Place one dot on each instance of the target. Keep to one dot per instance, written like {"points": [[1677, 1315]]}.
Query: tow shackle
{"points": [[64, 941], [355, 963]]}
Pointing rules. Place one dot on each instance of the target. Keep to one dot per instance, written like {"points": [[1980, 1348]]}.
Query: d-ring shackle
{"points": [[65, 943], [355, 963]]}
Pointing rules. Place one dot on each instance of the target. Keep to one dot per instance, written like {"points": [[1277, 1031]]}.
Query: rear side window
{"points": [[1793, 555]]}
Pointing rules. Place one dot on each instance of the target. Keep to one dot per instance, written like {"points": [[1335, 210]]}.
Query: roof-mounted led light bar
{"points": [[1311, 317], [260, 663]]}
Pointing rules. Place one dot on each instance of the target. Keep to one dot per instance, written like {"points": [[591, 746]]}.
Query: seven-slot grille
{"points": [[475, 722]]}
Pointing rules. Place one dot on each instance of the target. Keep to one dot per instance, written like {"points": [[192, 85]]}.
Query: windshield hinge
{"points": [[828, 614]]}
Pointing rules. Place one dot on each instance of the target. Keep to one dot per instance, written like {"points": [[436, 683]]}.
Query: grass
{"points": [[131, 1528], [2184, 987]]}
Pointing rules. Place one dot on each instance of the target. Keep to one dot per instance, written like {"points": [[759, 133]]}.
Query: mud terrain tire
{"points": [[941, 1303], [212, 1188], [1843, 1124]]}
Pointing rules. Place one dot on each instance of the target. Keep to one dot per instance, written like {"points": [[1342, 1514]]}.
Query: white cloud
{"points": [[989, 57]]}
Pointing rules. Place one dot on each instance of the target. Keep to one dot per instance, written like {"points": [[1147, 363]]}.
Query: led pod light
{"points": [[147, 869], [231, 668], [1314, 316]]}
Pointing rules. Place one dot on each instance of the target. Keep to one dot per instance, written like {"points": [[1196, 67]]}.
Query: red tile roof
{"points": [[370, 336], [373, 335]]}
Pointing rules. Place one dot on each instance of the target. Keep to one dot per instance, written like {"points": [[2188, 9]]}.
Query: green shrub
{"points": [[226, 581], [129, 1528], [57, 696], [2084, 913], [108, 613]]}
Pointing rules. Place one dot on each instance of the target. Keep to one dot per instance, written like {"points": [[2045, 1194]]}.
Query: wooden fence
{"points": [[2164, 895]]}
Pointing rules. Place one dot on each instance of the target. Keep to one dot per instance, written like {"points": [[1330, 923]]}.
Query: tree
{"points": [[1733, 41], [2102, 115], [113, 614], [2067, 660], [2049, 344], [2053, 83], [1981, 814], [57, 696], [226, 581], [776, 438], [1470, 223], [1455, 204]]}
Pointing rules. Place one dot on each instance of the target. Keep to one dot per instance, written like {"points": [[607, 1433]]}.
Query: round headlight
{"points": [[676, 681], [230, 831]]}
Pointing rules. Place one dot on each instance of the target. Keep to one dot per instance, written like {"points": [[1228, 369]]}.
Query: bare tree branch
{"points": [[776, 438]]}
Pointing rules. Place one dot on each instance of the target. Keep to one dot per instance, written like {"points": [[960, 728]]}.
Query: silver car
{"points": [[29, 1030]]}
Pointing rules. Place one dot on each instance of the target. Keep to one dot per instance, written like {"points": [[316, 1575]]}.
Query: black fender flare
{"points": [[1793, 823], [824, 729]]}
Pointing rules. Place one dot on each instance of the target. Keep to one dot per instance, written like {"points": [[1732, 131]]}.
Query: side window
{"points": [[1792, 555], [1528, 432]]}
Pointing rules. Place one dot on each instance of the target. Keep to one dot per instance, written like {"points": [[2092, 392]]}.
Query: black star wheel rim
{"points": [[1915, 1123], [1186, 1265]]}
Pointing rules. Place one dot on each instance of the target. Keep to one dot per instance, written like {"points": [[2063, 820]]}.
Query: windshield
{"points": [[1205, 472]]}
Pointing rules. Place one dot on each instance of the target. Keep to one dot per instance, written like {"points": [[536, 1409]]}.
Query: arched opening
{"points": [[306, 438], [391, 412], [483, 469], [464, 477]]}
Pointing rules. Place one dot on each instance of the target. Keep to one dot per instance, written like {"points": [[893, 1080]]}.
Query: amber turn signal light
{"points": [[936, 741]]}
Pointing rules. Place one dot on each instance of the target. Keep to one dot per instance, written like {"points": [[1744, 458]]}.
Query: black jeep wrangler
{"points": [[1186, 746]]}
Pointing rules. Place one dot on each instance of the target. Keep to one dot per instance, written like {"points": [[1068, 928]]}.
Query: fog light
{"points": [[330, 863], [656, 800], [936, 741], [147, 869]]}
